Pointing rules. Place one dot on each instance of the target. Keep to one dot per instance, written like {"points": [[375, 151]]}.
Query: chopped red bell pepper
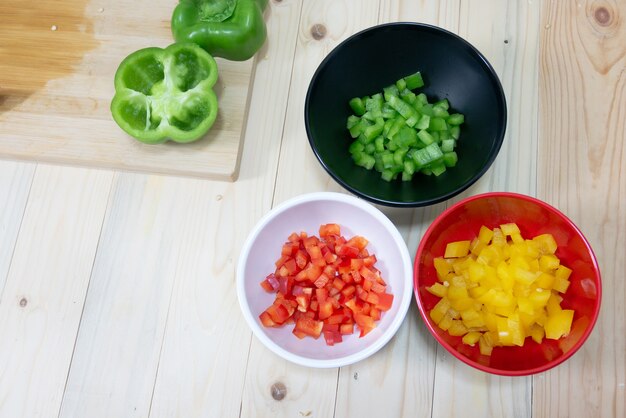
{"points": [[325, 285]]}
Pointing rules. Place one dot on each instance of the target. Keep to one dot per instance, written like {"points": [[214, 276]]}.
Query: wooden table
{"points": [[118, 289]]}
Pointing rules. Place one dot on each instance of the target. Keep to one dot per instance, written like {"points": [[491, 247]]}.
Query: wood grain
{"points": [[205, 345], [509, 39], [42, 40], [582, 171], [54, 105], [15, 182], [119, 341], [444, 13], [205, 350], [45, 289]]}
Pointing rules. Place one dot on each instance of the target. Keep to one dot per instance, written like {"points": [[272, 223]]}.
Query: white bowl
{"points": [[307, 213]]}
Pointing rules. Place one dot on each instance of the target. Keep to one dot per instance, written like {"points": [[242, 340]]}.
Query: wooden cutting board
{"points": [[57, 62]]}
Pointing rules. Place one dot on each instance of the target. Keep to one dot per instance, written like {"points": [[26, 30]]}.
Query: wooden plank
{"points": [[462, 391], [582, 167], [203, 356], [119, 341], [46, 285], [307, 390], [63, 79], [15, 182], [506, 33], [444, 13], [205, 350], [508, 36]]}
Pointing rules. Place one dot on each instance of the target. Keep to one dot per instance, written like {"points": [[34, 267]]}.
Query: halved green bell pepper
{"points": [[231, 29], [163, 94]]}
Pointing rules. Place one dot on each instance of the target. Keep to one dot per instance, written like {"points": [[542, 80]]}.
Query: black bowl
{"points": [[376, 57]]}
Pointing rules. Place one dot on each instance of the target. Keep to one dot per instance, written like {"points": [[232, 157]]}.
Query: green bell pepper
{"points": [[163, 94], [231, 29]]}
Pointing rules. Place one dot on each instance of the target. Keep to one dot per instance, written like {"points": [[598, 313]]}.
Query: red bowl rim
{"points": [[451, 350]]}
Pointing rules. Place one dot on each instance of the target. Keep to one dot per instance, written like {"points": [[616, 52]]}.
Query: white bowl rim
{"points": [[405, 300]]}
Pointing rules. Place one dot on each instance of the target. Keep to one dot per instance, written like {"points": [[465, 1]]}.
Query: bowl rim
{"points": [[473, 179], [448, 347], [405, 300]]}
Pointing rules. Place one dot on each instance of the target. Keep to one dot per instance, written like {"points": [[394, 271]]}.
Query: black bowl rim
{"points": [[494, 150]]}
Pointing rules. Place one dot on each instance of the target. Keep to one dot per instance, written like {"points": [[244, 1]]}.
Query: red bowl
{"points": [[462, 221]]}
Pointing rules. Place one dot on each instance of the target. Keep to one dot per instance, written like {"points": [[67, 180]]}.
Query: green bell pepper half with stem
{"points": [[231, 29], [163, 94]]}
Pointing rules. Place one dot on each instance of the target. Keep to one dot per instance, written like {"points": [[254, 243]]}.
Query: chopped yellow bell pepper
{"points": [[457, 249], [442, 266], [546, 242], [438, 289], [471, 338], [559, 324], [510, 229], [499, 288], [457, 329], [537, 333], [485, 234]]}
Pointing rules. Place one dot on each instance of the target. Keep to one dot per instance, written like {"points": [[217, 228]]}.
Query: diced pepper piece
{"points": [[329, 229], [509, 229], [438, 289], [471, 338], [440, 309], [365, 323], [485, 344], [455, 119], [385, 300], [450, 159], [266, 320], [414, 81], [561, 285], [457, 249], [346, 329], [309, 326], [546, 242], [559, 324], [457, 328], [537, 333], [438, 124]]}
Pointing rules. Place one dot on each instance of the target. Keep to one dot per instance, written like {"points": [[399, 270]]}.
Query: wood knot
{"points": [[602, 16], [23, 302], [318, 31], [278, 391]]}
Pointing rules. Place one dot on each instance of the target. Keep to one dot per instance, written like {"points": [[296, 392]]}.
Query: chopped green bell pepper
{"points": [[413, 81], [400, 132], [231, 29], [163, 94], [357, 106]]}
